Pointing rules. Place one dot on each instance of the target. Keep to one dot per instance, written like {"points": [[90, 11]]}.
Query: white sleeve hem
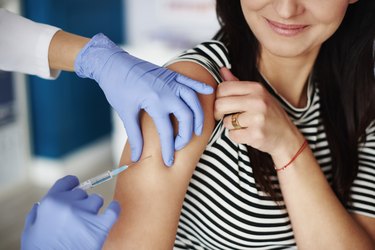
{"points": [[41, 53], [24, 45]]}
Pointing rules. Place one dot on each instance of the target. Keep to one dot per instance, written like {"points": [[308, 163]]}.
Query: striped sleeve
{"points": [[363, 189], [212, 55]]}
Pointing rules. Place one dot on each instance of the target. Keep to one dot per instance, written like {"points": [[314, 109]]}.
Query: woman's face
{"points": [[290, 28]]}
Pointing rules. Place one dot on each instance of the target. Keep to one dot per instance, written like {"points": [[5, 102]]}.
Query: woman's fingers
{"points": [[234, 96], [251, 103], [244, 120], [229, 105], [227, 75], [245, 107], [229, 88]]}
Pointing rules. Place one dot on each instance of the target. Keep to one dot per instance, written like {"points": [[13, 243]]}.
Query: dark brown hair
{"points": [[344, 72]]}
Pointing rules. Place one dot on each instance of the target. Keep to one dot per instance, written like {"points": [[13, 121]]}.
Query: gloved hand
{"points": [[68, 218], [131, 84]]}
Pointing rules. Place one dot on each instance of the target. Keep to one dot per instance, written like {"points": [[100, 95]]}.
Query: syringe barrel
{"points": [[85, 185], [101, 178]]}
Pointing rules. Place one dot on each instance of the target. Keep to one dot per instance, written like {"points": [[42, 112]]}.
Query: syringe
{"points": [[106, 176]]}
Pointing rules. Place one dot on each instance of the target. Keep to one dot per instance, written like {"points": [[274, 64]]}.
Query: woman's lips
{"points": [[286, 29]]}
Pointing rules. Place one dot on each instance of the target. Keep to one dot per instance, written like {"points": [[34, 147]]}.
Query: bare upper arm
{"points": [[151, 194]]}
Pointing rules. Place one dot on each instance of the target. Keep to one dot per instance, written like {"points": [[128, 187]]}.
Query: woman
{"points": [[291, 161]]}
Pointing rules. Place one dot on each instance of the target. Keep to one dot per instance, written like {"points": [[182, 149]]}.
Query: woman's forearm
{"points": [[64, 49], [318, 218]]}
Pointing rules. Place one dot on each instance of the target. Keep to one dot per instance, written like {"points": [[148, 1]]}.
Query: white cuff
{"points": [[41, 52], [24, 45]]}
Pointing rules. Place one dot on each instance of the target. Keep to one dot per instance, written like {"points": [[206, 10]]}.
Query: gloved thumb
{"points": [[111, 214], [30, 219], [195, 85], [66, 183], [227, 75]]}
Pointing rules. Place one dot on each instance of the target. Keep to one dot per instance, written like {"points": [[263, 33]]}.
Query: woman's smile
{"points": [[286, 29]]}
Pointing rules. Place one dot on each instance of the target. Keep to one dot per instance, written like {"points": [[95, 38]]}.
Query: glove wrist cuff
{"points": [[94, 55]]}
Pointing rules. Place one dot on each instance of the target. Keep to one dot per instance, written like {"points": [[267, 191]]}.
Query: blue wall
{"points": [[71, 112], [7, 99]]}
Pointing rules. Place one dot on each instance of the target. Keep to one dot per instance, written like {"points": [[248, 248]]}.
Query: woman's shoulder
{"points": [[212, 55], [213, 50]]}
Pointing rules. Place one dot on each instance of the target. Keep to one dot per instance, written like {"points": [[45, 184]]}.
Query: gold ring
{"points": [[235, 122]]}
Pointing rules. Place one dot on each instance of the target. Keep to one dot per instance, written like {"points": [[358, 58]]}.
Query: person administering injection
{"points": [[76, 210], [68, 218]]}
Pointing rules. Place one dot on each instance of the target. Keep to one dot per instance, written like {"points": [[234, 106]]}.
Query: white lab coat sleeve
{"points": [[24, 45]]}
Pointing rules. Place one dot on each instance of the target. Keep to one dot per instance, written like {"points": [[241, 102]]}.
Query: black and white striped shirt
{"points": [[223, 209]]}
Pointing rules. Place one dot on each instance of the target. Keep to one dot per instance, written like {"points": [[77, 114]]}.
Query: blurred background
{"points": [[49, 129]]}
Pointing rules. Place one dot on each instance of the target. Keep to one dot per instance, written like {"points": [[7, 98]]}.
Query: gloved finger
{"points": [[73, 195], [91, 204], [110, 215], [133, 131], [185, 120], [64, 184], [195, 85], [31, 216], [191, 99], [165, 129]]}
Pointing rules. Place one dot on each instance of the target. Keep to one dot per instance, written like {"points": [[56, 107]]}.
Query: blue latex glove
{"points": [[131, 84], [68, 218]]}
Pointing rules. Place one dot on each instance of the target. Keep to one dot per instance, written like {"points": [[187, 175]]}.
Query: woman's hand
{"points": [[264, 123]]}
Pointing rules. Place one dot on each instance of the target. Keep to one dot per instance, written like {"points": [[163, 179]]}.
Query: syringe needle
{"points": [[106, 176]]}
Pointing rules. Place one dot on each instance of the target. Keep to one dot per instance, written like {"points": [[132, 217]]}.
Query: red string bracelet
{"points": [[300, 150]]}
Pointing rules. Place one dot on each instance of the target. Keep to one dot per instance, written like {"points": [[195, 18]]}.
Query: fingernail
{"points": [[170, 162], [178, 145], [198, 130], [134, 158]]}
